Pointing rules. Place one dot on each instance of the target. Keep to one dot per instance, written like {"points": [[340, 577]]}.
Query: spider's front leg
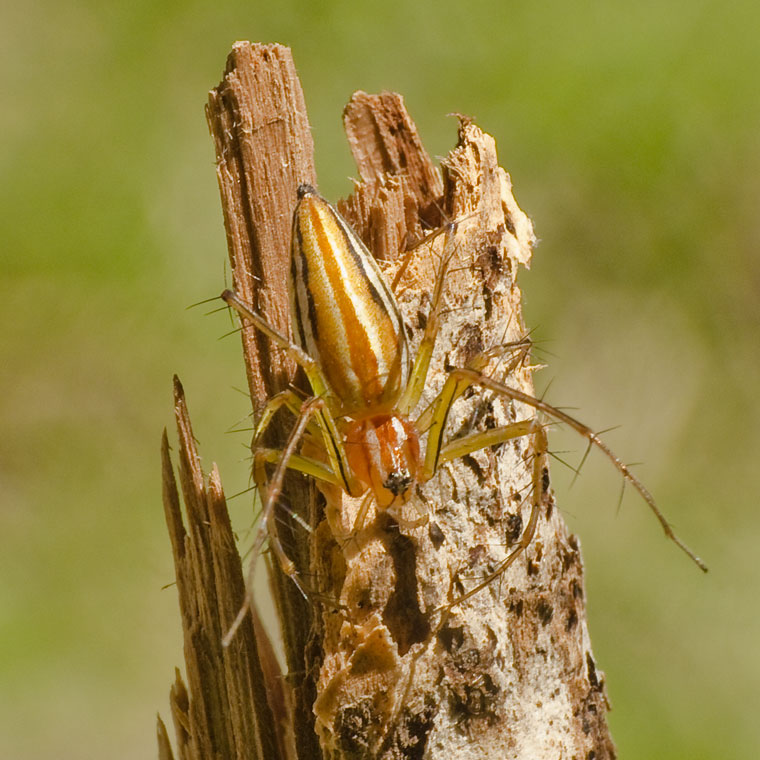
{"points": [[336, 454]]}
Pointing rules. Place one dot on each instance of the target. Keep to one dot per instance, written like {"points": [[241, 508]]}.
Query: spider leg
{"points": [[418, 376], [325, 419], [361, 515], [270, 492], [286, 398], [460, 379], [299, 463], [521, 348], [405, 523], [467, 444], [349, 538], [413, 252], [539, 488], [314, 374]]}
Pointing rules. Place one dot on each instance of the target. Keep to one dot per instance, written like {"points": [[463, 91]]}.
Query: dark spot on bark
{"points": [[411, 735], [568, 559], [577, 590], [451, 638], [545, 611], [436, 534], [477, 470], [474, 699], [352, 728], [472, 344], [465, 673], [490, 261], [476, 554], [591, 666], [487, 302], [490, 424], [572, 620], [516, 608], [402, 614], [363, 600], [545, 481], [514, 527], [402, 159], [467, 659]]}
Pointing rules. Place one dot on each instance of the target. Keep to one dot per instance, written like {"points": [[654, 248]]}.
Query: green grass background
{"points": [[631, 134]]}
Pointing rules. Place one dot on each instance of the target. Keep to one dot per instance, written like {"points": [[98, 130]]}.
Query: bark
{"points": [[378, 669]]}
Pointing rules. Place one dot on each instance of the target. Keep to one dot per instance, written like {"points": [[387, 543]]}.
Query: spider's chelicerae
{"points": [[351, 343]]}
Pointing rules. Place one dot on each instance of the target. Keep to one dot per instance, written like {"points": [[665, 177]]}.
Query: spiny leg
{"points": [[418, 376], [348, 539], [521, 349], [413, 252], [539, 489], [288, 399], [467, 444], [300, 463], [405, 523], [307, 465], [361, 515], [333, 442], [460, 379], [296, 353], [540, 486], [269, 494], [304, 464]]}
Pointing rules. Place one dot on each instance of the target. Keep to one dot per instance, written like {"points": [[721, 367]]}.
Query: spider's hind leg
{"points": [[540, 486]]}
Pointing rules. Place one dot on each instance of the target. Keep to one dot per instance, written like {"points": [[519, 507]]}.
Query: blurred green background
{"points": [[631, 134]]}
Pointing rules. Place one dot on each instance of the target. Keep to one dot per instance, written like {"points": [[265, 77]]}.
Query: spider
{"points": [[351, 342]]}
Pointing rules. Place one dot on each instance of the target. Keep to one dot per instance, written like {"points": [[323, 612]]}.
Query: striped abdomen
{"points": [[344, 315]]}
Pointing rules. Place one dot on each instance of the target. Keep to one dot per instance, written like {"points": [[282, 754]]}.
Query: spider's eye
{"points": [[398, 482]]}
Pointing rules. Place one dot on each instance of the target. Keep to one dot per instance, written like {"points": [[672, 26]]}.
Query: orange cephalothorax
{"points": [[384, 453]]}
